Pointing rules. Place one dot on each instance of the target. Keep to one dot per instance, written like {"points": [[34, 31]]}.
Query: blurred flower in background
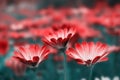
{"points": [[18, 67]]}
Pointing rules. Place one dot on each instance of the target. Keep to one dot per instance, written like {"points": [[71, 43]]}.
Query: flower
{"points": [[4, 46], [59, 39], [88, 53], [40, 32], [31, 55], [18, 67], [3, 31], [19, 35], [85, 32]]}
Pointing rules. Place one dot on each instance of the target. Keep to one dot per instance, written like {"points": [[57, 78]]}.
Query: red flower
{"points": [[14, 35], [18, 67], [4, 31], [88, 53], [40, 32], [19, 35], [4, 46], [59, 39], [17, 26], [31, 55], [85, 32]]}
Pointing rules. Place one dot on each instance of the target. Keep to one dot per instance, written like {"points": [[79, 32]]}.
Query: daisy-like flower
{"points": [[18, 67], [31, 55], [60, 38], [89, 53]]}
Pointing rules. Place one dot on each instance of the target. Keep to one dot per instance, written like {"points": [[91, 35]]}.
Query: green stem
{"points": [[91, 71], [65, 65]]}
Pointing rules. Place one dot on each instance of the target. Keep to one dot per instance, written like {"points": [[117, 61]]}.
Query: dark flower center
{"points": [[88, 62], [35, 59]]}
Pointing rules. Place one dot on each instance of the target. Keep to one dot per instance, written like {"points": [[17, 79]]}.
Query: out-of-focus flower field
{"points": [[59, 40]]}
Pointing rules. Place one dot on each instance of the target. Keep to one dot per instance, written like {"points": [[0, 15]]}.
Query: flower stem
{"points": [[91, 71], [65, 65]]}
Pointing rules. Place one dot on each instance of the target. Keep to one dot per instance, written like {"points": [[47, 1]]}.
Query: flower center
{"points": [[88, 62]]}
